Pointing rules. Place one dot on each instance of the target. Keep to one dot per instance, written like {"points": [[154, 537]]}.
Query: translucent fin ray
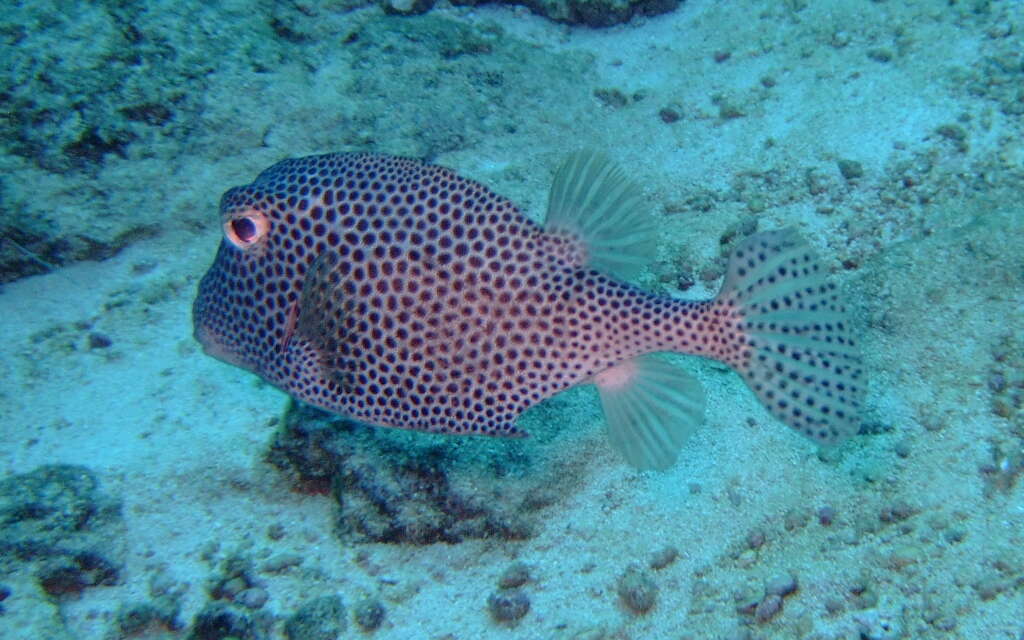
{"points": [[594, 201], [804, 361], [651, 407]]}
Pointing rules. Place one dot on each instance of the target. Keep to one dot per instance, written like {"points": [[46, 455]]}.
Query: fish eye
{"points": [[246, 228]]}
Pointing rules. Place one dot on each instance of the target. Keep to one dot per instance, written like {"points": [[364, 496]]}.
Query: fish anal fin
{"points": [[651, 406]]}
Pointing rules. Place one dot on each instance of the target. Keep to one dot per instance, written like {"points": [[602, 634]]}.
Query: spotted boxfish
{"points": [[400, 294]]}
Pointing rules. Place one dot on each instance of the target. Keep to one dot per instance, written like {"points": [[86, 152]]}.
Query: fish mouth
{"points": [[215, 347]]}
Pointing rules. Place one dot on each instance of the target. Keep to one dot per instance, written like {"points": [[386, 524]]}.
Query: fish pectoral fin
{"points": [[593, 201], [651, 406], [321, 305], [322, 309]]}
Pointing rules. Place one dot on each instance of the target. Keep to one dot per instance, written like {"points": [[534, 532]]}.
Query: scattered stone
{"points": [[637, 591], [161, 584], [252, 598], [840, 39], [231, 588], [509, 606], [134, 619], [850, 169], [663, 558], [834, 606], [611, 98], [880, 55], [727, 109], [369, 614], [879, 625], [276, 531], [817, 181], [902, 448], [781, 584], [746, 599], [746, 559], [768, 608], [219, 622], [945, 623], [99, 340], [826, 515], [281, 562], [515, 576], [319, 619], [896, 512], [143, 617], [952, 132], [795, 519], [669, 115], [755, 539], [989, 588]]}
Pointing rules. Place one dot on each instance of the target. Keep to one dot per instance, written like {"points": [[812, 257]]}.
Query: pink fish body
{"points": [[401, 294]]}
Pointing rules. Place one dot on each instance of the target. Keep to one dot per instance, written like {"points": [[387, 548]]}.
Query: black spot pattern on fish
{"points": [[401, 294]]}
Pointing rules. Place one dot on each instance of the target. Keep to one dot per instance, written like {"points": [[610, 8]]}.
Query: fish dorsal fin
{"points": [[593, 200], [321, 314], [651, 406]]}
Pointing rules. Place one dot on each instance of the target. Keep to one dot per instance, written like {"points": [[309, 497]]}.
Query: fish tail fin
{"points": [[794, 344]]}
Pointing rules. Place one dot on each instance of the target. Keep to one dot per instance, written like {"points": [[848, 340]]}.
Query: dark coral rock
{"points": [[591, 13], [414, 488], [71, 574], [308, 451], [508, 607], [320, 619], [369, 614], [637, 591], [56, 517], [23, 253], [219, 621], [91, 147], [515, 576], [144, 617], [151, 113], [238, 583]]}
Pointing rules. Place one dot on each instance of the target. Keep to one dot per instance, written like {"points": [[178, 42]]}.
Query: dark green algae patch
{"points": [[590, 13], [56, 521]]}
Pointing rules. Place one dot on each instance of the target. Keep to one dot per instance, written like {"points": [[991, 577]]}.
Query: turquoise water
{"points": [[149, 490]]}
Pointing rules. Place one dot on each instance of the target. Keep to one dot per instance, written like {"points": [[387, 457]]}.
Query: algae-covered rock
{"points": [[599, 13], [415, 488], [590, 13], [221, 622], [55, 519], [369, 614], [320, 619]]}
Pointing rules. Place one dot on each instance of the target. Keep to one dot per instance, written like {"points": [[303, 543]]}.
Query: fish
{"points": [[400, 294]]}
